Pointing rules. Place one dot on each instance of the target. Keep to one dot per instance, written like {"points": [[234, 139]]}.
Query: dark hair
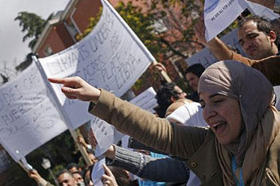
{"points": [[71, 165], [62, 172], [263, 24], [164, 94], [196, 69], [77, 172]]}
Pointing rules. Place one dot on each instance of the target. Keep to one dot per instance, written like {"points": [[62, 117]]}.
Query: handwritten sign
{"points": [[28, 115], [110, 57]]}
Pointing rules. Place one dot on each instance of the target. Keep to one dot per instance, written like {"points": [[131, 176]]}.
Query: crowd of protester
{"points": [[224, 133]]}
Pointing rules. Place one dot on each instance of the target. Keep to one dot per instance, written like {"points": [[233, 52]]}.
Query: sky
{"points": [[12, 49]]}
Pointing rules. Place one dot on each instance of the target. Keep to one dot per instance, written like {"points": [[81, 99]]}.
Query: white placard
{"points": [[146, 100], [110, 57], [262, 11], [189, 114], [97, 172], [28, 114], [107, 135], [219, 14]]}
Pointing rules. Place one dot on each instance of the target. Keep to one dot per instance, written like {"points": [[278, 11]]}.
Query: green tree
{"points": [[176, 18], [32, 25]]}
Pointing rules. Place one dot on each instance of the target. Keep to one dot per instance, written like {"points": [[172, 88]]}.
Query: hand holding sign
{"points": [[108, 178], [37, 177]]}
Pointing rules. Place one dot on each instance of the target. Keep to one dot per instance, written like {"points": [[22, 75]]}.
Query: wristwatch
{"points": [[276, 8]]}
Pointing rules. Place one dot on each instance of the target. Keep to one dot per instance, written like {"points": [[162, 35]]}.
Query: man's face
{"points": [[192, 80], [77, 176], [180, 93], [65, 179], [256, 44]]}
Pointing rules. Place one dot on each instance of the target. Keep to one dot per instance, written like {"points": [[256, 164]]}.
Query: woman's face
{"points": [[223, 115], [193, 80]]}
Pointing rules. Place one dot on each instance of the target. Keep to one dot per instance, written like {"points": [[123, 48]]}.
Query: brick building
{"points": [[61, 30]]}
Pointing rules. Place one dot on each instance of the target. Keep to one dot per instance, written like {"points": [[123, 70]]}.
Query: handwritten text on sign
{"points": [[111, 57], [28, 117]]}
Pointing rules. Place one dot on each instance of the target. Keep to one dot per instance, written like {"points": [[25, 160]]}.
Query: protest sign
{"points": [[219, 14], [262, 11], [28, 114], [106, 135], [146, 100], [97, 172], [110, 57]]}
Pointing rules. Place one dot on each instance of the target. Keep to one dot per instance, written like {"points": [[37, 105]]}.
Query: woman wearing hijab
{"points": [[241, 145]]}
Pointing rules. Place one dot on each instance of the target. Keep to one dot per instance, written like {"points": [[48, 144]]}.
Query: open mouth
{"points": [[219, 127]]}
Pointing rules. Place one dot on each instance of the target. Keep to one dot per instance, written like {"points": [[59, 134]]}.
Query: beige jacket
{"points": [[195, 145]]}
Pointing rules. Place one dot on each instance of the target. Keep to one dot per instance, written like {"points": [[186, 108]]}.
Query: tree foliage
{"points": [[175, 17], [32, 25], [179, 18]]}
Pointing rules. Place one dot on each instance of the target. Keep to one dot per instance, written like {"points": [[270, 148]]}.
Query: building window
{"points": [[48, 51], [72, 30]]}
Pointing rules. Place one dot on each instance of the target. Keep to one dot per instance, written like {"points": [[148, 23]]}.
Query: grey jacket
{"points": [[144, 166]]}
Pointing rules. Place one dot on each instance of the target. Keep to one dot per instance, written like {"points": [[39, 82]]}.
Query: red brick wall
{"points": [[58, 39], [84, 10]]}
